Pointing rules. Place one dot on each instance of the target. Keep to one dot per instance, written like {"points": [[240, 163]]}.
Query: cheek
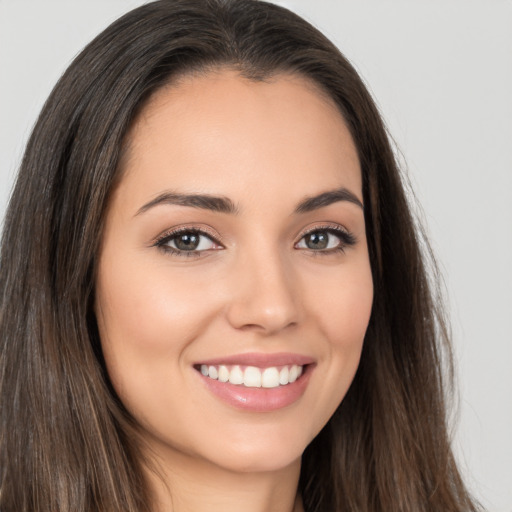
{"points": [[342, 312], [147, 319], [344, 307], [141, 305]]}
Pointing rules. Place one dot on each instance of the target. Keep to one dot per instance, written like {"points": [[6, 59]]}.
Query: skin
{"points": [[257, 288]]}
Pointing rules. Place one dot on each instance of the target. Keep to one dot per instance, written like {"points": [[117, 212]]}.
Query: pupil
{"points": [[317, 240], [187, 242]]}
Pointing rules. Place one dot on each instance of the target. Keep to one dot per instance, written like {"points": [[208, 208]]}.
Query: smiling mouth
{"points": [[252, 376], [257, 382]]}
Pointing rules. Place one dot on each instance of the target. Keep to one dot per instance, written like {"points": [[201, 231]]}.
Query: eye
{"points": [[330, 239], [187, 242]]}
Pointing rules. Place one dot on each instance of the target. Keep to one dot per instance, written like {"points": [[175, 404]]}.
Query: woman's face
{"points": [[234, 258]]}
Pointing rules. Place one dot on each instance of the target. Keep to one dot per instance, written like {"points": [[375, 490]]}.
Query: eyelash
{"points": [[168, 236], [346, 240]]}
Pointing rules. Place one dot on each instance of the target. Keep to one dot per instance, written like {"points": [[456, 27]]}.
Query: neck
{"points": [[181, 483]]}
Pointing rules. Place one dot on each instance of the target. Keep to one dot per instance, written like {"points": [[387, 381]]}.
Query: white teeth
{"points": [[270, 378], [253, 377], [223, 374], [236, 376]]}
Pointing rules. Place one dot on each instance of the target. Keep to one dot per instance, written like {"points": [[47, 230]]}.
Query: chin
{"points": [[260, 463], [258, 455]]}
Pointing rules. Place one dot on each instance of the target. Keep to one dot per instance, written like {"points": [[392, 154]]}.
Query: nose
{"points": [[263, 295]]}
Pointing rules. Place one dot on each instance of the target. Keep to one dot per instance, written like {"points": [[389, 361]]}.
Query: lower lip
{"points": [[259, 399]]}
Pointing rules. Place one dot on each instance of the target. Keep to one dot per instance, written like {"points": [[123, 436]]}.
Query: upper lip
{"points": [[260, 360]]}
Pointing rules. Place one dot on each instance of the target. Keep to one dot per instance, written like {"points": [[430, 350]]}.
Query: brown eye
{"points": [[187, 241]]}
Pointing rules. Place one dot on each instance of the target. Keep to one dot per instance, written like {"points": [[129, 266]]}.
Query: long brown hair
{"points": [[66, 442]]}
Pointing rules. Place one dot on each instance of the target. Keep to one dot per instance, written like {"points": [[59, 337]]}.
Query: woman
{"points": [[212, 287]]}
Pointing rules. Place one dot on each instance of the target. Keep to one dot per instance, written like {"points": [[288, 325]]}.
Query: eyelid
{"points": [[325, 227], [347, 238], [187, 228]]}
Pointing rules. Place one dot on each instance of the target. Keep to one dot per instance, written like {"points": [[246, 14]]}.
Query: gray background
{"points": [[441, 72]]}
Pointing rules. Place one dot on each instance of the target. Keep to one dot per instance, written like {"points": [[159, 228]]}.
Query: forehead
{"points": [[220, 133]]}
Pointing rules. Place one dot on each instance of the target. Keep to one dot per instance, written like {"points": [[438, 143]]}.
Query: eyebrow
{"points": [[326, 198], [222, 204], [202, 201]]}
